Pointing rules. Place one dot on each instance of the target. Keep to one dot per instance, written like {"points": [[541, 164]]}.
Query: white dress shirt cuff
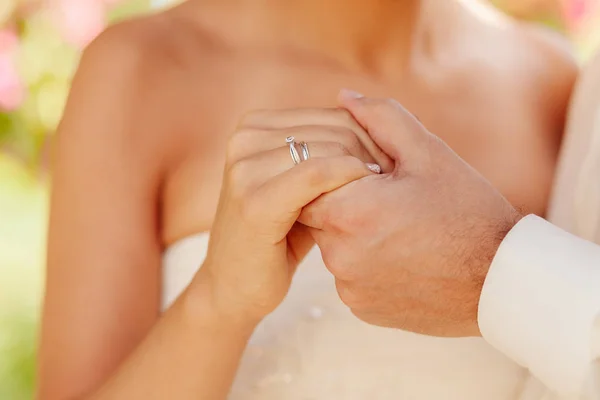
{"points": [[540, 301]]}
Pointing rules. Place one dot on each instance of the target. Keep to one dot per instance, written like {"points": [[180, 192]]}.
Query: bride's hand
{"points": [[255, 242]]}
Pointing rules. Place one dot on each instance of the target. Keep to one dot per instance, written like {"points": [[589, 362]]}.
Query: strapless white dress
{"points": [[313, 348]]}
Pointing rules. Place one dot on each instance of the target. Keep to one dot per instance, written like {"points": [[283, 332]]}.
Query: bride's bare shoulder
{"points": [[141, 72], [521, 72], [514, 81], [157, 43], [517, 53]]}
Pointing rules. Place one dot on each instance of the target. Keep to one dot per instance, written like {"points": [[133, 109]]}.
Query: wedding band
{"points": [[305, 152], [293, 152]]}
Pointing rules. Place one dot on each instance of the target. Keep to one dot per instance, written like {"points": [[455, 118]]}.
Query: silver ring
{"points": [[305, 152], [293, 152]]}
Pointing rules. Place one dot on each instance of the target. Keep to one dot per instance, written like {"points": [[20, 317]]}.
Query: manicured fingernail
{"points": [[374, 168], [350, 94]]}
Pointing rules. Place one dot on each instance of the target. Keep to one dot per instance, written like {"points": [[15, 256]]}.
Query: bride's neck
{"points": [[355, 31]]}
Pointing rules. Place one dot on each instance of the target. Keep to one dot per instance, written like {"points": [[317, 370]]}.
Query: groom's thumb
{"points": [[395, 130]]}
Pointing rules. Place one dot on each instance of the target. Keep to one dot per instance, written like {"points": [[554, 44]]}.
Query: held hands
{"points": [[256, 243], [410, 249]]}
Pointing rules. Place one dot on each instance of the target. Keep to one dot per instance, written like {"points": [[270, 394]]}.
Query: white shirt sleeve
{"points": [[540, 305]]}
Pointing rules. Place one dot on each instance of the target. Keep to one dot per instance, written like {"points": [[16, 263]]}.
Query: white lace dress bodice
{"points": [[313, 348]]}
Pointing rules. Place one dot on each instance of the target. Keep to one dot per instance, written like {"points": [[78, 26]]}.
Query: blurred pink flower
{"points": [[577, 11], [12, 91], [8, 41], [81, 21]]}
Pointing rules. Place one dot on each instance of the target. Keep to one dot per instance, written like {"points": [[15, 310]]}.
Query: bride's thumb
{"points": [[394, 129]]}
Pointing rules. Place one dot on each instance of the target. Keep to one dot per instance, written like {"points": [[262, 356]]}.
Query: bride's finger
{"points": [[264, 166], [250, 141], [280, 119], [281, 199]]}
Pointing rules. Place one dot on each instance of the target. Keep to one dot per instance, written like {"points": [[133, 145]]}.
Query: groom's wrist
{"points": [[497, 230], [486, 249], [488, 238]]}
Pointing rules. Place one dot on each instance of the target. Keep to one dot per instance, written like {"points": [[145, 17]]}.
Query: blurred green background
{"points": [[40, 42]]}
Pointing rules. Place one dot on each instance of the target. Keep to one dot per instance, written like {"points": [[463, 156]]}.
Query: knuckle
{"points": [[349, 138], [250, 118], [320, 214], [316, 171], [343, 115], [237, 141]]}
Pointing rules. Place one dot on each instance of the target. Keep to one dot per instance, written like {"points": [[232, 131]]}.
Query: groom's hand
{"points": [[411, 249]]}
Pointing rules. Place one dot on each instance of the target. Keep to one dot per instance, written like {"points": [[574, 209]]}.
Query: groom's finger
{"points": [[394, 129], [317, 215]]}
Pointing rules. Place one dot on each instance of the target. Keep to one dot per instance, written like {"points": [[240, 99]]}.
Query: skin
{"points": [[193, 349], [138, 161], [420, 269]]}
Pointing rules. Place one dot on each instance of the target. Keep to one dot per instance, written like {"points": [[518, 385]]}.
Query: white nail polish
{"points": [[374, 168]]}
